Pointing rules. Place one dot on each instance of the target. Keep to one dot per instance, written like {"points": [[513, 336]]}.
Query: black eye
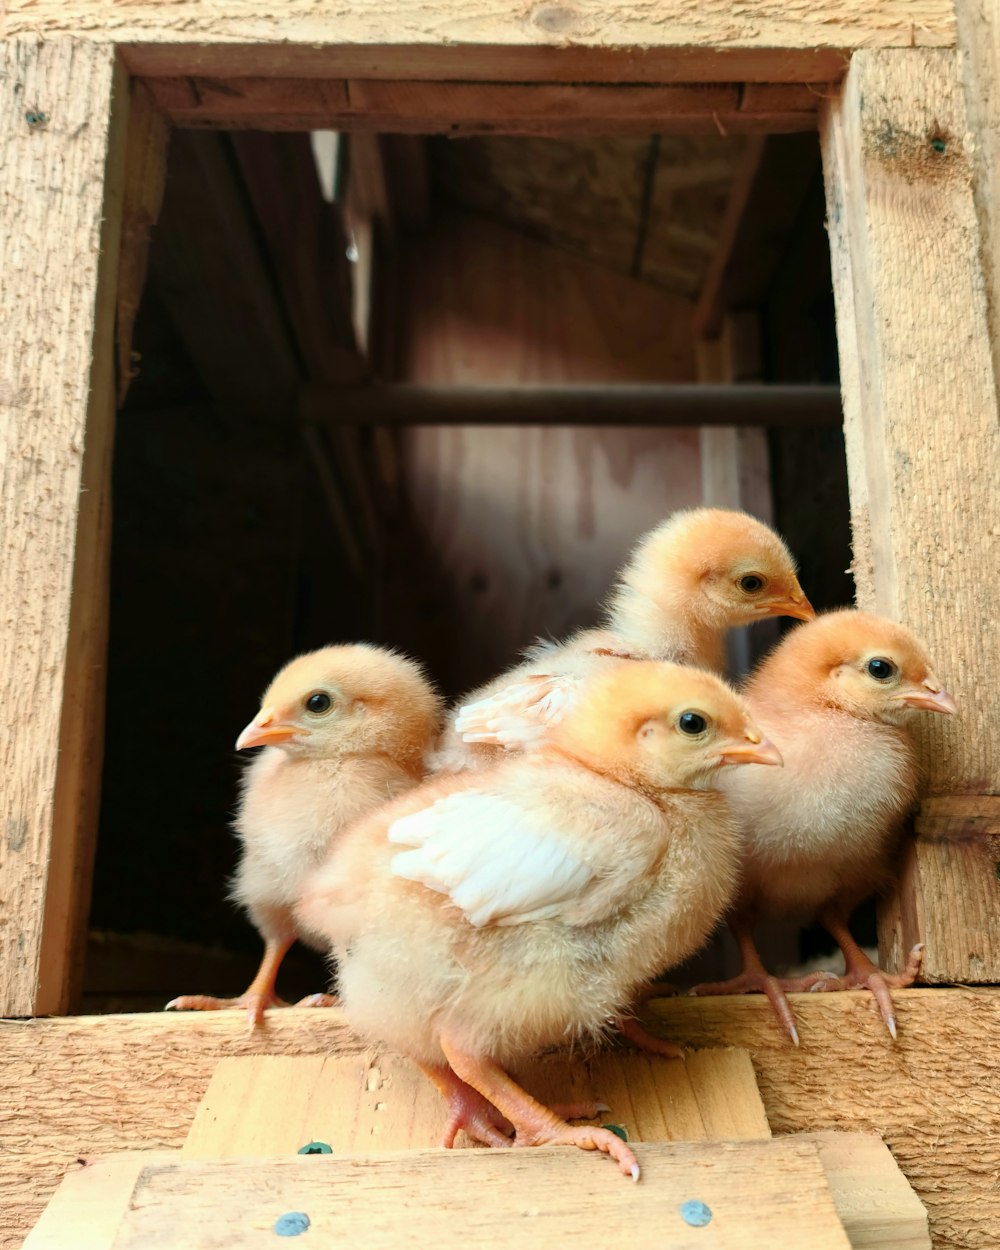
{"points": [[318, 703], [881, 670], [752, 582], [691, 723]]}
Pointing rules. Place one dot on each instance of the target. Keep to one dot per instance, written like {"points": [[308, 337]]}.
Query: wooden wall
{"points": [[518, 531]]}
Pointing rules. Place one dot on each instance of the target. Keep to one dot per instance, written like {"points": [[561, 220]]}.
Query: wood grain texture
{"points": [[979, 41], [378, 1101], [80, 1086], [920, 403], [59, 226], [643, 40], [923, 452], [478, 1196], [454, 109]]}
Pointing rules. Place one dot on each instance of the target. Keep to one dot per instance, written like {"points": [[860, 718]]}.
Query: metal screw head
{"points": [[695, 1212], [291, 1224], [315, 1148]]}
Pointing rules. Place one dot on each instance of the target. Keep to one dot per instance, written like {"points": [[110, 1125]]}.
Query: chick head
{"points": [[346, 700], [866, 665], [729, 567], [662, 726]]}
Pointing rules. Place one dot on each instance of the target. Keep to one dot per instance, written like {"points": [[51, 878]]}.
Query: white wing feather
{"points": [[490, 858], [521, 713]]}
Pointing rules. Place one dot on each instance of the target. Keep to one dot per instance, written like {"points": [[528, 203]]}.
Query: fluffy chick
{"points": [[686, 584], [344, 729], [838, 697], [486, 916]]}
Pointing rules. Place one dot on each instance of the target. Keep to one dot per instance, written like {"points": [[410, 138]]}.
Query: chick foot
{"points": [[641, 1037], [861, 974], [468, 1110], [533, 1123], [756, 981], [256, 1004]]}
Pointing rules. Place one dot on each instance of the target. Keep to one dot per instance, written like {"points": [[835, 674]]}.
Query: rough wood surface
{"points": [[454, 109], [875, 1203], [979, 41], [478, 1196], [378, 1101], [923, 450], [74, 1087], [644, 40], [59, 223]]}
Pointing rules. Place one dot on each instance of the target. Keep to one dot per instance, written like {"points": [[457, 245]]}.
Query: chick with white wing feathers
{"points": [[838, 697], [687, 583], [489, 915], [344, 729]]}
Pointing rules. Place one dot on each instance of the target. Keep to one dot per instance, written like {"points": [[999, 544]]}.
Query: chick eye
{"points": [[319, 703], [881, 670], [691, 723], [751, 583]]}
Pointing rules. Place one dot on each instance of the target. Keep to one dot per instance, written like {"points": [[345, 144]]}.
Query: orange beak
{"points": [[930, 697], [752, 750], [796, 605], [264, 730]]}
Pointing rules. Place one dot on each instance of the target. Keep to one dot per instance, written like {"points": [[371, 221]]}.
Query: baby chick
{"points": [[838, 696], [486, 916], [343, 730], [696, 576]]}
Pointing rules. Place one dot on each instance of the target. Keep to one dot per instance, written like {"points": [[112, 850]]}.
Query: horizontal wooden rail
{"points": [[666, 404]]}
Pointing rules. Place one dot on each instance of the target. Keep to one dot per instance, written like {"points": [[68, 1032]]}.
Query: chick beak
{"points": [[930, 697], [754, 749], [796, 605], [265, 730]]}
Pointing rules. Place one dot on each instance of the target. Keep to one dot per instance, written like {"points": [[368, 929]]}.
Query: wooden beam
{"points": [[931, 1095], [669, 41], [60, 222], [923, 452], [663, 404], [450, 108], [979, 41]]}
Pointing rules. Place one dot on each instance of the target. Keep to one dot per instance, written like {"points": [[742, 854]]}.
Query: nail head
{"points": [[695, 1213], [291, 1224], [315, 1148]]}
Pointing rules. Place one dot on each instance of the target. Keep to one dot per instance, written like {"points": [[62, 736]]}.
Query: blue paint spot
{"points": [[695, 1213], [315, 1148], [291, 1224]]}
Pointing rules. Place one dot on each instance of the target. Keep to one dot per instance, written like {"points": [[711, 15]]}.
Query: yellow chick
{"points": [[343, 729], [838, 697], [489, 915], [687, 583]]}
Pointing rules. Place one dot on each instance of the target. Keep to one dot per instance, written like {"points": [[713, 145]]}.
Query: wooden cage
{"points": [[904, 96]]}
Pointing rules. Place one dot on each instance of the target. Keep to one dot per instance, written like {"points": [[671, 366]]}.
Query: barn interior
{"points": [[427, 391]]}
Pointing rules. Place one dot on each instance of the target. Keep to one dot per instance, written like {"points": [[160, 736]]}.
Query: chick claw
{"points": [[756, 982], [584, 1138], [640, 1037], [318, 1000], [255, 1004], [862, 974]]}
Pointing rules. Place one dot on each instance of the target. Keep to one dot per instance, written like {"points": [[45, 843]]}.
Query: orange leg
{"points": [[533, 1123], [258, 996], [469, 1109], [859, 971], [753, 979], [639, 1036]]}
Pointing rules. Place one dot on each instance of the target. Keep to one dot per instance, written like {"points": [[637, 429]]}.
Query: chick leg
{"points": [[533, 1123], [469, 1110], [859, 971], [753, 979], [629, 1027], [258, 996]]}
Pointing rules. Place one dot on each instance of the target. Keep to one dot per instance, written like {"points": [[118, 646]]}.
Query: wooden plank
{"points": [[79, 1086], [979, 41], [91, 1201], [909, 290], [625, 404], [641, 41], [60, 220], [873, 1198], [379, 1101], [145, 177], [474, 1196]]}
